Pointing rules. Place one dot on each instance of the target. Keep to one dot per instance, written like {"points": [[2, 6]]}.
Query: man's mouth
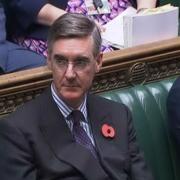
{"points": [[70, 85]]}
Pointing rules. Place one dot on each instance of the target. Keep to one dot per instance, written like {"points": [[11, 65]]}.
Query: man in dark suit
{"points": [[68, 133], [173, 108], [13, 57]]}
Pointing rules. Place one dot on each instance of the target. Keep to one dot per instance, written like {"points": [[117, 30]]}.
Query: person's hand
{"points": [[141, 10]]}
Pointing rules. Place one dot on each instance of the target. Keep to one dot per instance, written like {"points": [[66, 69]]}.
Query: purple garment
{"points": [[78, 6], [116, 7]]}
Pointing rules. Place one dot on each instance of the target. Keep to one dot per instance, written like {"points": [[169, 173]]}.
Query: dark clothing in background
{"points": [[21, 17], [13, 57], [173, 108]]}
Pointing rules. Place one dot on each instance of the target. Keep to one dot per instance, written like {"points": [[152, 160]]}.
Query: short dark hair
{"points": [[73, 25]]}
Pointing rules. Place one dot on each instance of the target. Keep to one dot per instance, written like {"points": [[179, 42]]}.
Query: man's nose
{"points": [[70, 73]]}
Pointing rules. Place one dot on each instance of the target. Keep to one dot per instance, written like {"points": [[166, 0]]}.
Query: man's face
{"points": [[73, 67]]}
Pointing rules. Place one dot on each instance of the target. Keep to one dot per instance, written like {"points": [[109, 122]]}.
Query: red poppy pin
{"points": [[108, 131]]}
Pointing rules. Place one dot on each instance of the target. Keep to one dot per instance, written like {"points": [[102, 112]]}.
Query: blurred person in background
{"points": [[14, 57], [28, 22], [173, 109]]}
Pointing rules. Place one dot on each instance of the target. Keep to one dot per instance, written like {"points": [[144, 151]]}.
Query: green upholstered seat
{"points": [[148, 106]]}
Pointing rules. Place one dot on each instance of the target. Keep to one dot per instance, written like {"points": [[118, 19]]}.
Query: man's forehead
{"points": [[73, 46]]}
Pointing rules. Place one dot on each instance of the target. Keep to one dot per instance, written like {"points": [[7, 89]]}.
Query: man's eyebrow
{"points": [[82, 58], [77, 58], [57, 56]]}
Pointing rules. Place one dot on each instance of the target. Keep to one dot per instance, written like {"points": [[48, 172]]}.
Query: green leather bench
{"points": [[148, 106]]}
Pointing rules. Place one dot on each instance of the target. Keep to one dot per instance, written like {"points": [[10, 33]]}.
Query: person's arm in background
{"points": [[40, 11], [48, 14], [142, 4]]}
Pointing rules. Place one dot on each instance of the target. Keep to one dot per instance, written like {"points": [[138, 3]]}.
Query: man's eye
{"points": [[61, 61], [82, 63]]}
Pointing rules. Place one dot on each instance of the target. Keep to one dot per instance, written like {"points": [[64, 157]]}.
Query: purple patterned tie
{"points": [[79, 133]]}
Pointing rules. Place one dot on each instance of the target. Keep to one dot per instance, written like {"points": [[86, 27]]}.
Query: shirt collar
{"points": [[64, 108]]}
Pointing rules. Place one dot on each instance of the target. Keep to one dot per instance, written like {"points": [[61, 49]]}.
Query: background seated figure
{"points": [[28, 22], [14, 57], [67, 133], [173, 107]]}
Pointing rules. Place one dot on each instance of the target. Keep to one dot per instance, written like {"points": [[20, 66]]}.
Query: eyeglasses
{"points": [[78, 65]]}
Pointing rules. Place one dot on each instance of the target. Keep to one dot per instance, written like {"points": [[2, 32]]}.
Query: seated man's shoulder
{"points": [[176, 84], [174, 92], [27, 112]]}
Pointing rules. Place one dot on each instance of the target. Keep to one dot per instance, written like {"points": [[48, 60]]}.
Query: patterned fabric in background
{"points": [[116, 7], [36, 45], [78, 6]]}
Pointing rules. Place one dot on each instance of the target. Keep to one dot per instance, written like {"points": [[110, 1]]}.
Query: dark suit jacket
{"points": [[36, 144], [173, 107]]}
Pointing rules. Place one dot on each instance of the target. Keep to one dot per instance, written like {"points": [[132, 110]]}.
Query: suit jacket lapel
{"points": [[109, 148], [59, 138]]}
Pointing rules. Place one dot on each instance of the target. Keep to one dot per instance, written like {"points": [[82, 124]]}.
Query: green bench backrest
{"points": [[172, 2], [148, 106]]}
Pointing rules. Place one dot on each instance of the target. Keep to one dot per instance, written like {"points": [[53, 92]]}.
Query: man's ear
{"points": [[99, 60]]}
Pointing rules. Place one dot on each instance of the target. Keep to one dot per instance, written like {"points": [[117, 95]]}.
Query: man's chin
{"points": [[70, 88], [71, 96]]}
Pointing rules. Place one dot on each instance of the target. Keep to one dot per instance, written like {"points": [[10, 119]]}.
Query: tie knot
{"points": [[77, 116]]}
